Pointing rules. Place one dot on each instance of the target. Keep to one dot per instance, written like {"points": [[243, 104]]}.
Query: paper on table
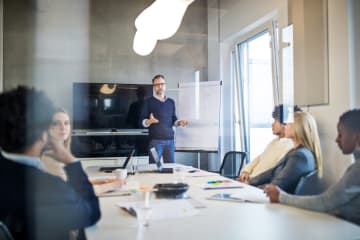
{"points": [[164, 209], [200, 173], [250, 194]]}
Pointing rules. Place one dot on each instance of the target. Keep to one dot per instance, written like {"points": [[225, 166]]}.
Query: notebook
{"points": [[157, 167], [222, 184], [124, 166]]}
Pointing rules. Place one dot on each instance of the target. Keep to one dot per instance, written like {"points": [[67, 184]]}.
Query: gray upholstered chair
{"points": [[5, 233], [309, 184], [232, 163]]}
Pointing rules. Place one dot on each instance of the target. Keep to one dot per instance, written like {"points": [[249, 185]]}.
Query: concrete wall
{"points": [[46, 46], [239, 17], [51, 44]]}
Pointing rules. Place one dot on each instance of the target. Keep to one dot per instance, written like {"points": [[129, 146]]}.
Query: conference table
{"points": [[212, 219]]}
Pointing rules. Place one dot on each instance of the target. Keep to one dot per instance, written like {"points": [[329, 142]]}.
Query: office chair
{"points": [[5, 233], [232, 163], [309, 184]]}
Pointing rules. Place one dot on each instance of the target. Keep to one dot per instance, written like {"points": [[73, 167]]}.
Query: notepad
{"points": [[222, 184], [163, 209]]}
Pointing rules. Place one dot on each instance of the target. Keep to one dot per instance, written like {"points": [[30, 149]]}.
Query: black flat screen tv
{"points": [[112, 106]]}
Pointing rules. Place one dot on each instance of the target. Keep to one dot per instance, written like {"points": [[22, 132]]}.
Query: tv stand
{"points": [[112, 131], [100, 143]]}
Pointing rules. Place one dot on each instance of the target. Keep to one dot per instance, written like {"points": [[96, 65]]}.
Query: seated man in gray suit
{"points": [[35, 204]]}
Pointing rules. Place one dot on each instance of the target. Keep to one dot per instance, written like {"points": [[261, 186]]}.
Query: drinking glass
{"points": [[134, 165], [179, 174], [143, 209], [143, 215]]}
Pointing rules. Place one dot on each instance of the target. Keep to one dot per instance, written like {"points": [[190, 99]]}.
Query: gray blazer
{"points": [[287, 173]]}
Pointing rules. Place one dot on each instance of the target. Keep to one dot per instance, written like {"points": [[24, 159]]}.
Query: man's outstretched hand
{"points": [[151, 120], [182, 123]]}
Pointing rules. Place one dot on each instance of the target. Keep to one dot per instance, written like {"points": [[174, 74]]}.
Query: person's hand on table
{"points": [[244, 177], [106, 185], [105, 181], [273, 192]]}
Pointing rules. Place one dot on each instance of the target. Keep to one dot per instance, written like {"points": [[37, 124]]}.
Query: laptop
{"points": [[124, 166], [156, 168]]}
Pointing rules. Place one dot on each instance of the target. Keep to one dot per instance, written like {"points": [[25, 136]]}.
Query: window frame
{"points": [[236, 80]]}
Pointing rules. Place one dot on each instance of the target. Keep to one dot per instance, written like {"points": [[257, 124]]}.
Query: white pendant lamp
{"points": [[159, 21], [143, 43]]}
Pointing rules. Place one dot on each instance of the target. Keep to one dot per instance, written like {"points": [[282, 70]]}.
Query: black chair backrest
{"points": [[309, 184], [4, 232], [232, 163]]}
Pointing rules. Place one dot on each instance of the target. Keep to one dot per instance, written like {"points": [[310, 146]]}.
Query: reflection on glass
{"points": [[95, 110], [257, 90], [288, 74]]}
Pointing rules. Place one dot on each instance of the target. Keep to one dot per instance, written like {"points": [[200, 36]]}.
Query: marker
{"points": [[213, 182], [218, 181]]}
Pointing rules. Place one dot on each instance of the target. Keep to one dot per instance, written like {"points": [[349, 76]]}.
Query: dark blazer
{"points": [[37, 205], [287, 173]]}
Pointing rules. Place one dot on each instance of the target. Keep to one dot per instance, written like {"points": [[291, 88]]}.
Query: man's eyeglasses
{"points": [[159, 84]]}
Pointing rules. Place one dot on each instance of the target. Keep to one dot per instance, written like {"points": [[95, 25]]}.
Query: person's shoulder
{"points": [[303, 150], [40, 177], [302, 153], [285, 143], [170, 100], [280, 142], [285, 140], [149, 99]]}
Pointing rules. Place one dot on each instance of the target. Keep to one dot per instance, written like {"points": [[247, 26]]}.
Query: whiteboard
{"points": [[199, 104]]}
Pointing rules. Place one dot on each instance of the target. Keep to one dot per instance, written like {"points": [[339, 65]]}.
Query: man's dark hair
{"points": [[278, 111], [351, 119], [158, 76], [25, 113]]}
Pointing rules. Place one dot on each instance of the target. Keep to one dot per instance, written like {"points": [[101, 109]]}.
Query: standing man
{"points": [[160, 117]]}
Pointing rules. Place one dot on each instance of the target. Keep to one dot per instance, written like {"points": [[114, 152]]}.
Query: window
{"points": [[256, 92]]}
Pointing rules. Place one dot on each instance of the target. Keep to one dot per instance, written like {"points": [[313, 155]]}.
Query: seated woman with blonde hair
{"points": [[60, 130], [305, 157]]}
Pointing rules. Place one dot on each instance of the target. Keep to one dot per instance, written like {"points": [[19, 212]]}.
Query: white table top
{"points": [[219, 220]]}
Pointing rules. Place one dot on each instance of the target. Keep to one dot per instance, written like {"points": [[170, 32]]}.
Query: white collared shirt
{"points": [[23, 159], [159, 98]]}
